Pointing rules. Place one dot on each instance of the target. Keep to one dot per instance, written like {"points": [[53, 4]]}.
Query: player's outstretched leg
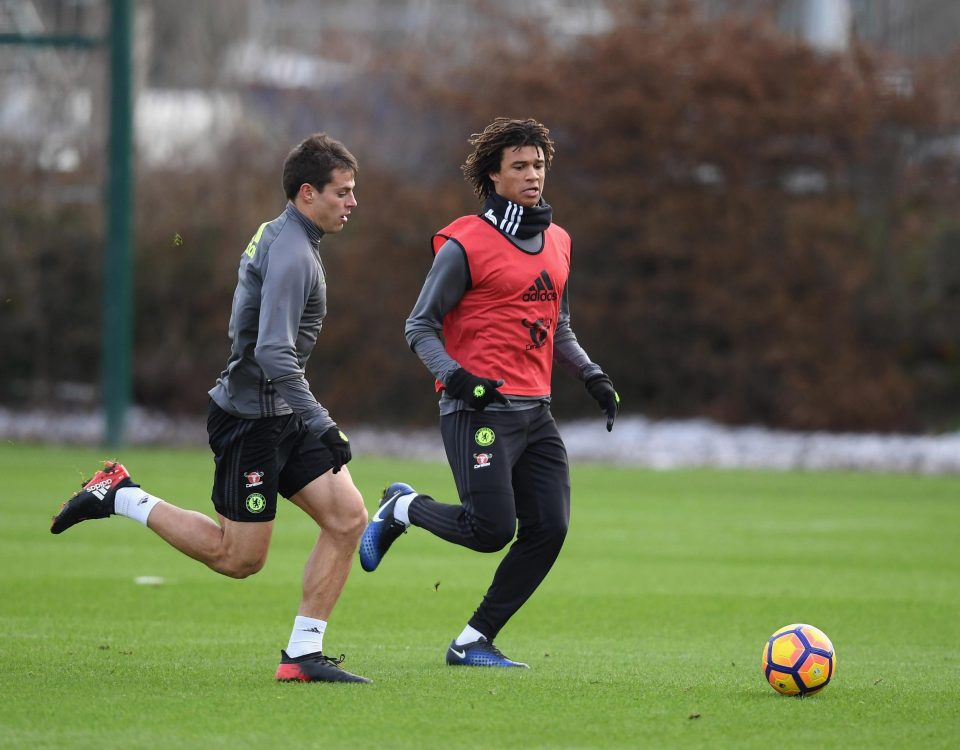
{"points": [[480, 653], [383, 528], [314, 667], [95, 499]]}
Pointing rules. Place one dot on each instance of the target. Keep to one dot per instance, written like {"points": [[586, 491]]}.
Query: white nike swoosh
{"points": [[460, 654]]}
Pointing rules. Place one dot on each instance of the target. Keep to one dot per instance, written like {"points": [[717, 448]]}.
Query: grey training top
{"points": [[278, 310], [446, 283]]}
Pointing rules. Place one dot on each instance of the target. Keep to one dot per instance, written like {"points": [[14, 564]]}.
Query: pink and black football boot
{"points": [[95, 498]]}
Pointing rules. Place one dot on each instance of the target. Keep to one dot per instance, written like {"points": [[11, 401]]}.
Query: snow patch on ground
{"points": [[635, 441]]}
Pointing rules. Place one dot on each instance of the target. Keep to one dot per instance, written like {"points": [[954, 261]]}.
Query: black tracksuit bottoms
{"points": [[513, 478]]}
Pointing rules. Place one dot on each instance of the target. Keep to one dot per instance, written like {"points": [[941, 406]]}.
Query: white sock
{"points": [[306, 637], [401, 510], [469, 635], [134, 503]]}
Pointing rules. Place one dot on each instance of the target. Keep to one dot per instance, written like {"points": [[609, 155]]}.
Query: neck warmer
{"points": [[314, 232], [515, 220]]}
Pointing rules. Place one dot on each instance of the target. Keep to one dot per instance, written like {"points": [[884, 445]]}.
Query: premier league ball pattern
{"points": [[799, 660]]}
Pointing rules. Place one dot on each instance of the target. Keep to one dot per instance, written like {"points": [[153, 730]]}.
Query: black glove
{"points": [[339, 445], [476, 392], [601, 388]]}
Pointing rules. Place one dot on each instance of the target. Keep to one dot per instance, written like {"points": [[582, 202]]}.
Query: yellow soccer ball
{"points": [[799, 660]]}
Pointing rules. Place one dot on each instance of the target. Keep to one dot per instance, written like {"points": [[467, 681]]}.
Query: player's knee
{"points": [[555, 531], [241, 567], [350, 519], [357, 518], [548, 534], [493, 538]]}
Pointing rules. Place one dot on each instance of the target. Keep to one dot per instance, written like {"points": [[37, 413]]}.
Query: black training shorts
{"points": [[258, 458]]}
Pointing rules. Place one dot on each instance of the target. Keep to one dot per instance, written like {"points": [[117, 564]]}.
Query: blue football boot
{"points": [[383, 528], [480, 653]]}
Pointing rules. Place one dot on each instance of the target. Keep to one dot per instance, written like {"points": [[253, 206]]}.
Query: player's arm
{"points": [[567, 352], [573, 360], [444, 287], [288, 277]]}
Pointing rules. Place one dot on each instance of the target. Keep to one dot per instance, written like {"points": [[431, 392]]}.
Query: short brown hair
{"points": [[313, 161], [488, 148]]}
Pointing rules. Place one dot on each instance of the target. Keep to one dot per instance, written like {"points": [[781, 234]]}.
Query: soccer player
{"points": [[267, 431], [491, 319]]}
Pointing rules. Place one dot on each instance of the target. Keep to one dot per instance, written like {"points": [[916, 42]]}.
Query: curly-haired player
{"points": [[491, 319]]}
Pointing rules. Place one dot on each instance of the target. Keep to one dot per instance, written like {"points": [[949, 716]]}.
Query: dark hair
{"points": [[488, 149], [313, 161]]}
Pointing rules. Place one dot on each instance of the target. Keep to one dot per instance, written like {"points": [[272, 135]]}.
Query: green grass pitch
{"points": [[647, 633]]}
